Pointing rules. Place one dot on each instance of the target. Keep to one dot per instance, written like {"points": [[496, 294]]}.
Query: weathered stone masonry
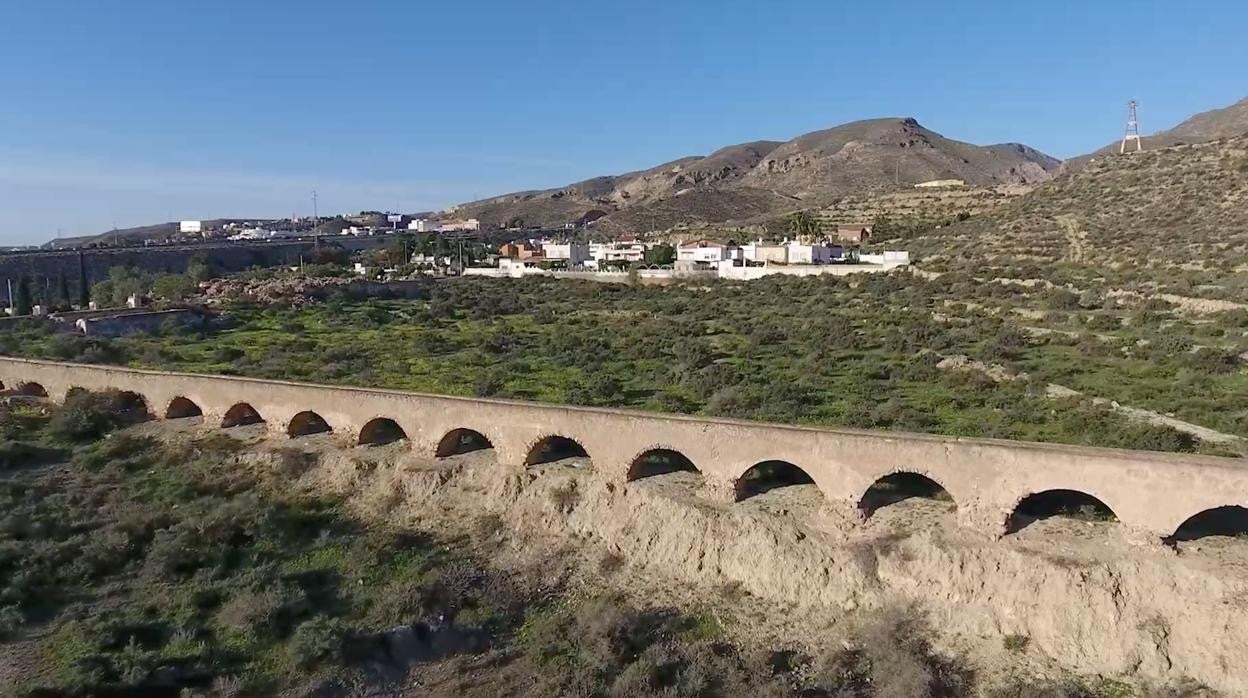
{"points": [[1151, 493]]}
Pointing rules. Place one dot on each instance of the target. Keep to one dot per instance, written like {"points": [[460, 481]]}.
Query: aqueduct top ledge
{"points": [[1148, 491]]}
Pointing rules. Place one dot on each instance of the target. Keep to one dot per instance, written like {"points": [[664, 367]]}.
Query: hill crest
{"points": [[759, 178]]}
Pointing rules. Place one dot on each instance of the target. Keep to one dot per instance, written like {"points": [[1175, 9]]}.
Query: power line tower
{"points": [[1133, 130]]}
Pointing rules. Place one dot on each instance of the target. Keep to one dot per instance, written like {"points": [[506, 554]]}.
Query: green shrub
{"points": [[1015, 643], [320, 639], [11, 620], [86, 416]]}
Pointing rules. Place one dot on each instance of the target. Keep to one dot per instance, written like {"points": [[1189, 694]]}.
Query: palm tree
{"points": [[804, 223]]}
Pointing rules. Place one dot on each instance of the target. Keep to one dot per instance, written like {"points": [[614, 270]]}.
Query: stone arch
{"points": [[132, 406], [899, 486], [769, 475], [659, 461], [31, 389], [241, 414], [182, 407], [307, 423], [381, 430], [462, 440], [1057, 502], [554, 447], [1230, 521]]}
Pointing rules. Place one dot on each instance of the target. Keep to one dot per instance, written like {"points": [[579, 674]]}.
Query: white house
{"points": [[811, 254], [762, 253], [620, 251], [576, 254], [702, 251]]}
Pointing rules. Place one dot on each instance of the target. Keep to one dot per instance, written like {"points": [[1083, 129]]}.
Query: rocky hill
{"points": [[744, 181]]}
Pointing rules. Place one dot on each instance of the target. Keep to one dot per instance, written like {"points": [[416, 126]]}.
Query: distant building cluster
{"points": [[430, 225], [695, 255]]}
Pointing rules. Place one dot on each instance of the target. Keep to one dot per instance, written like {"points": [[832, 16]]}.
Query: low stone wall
{"points": [[120, 324], [1151, 493]]}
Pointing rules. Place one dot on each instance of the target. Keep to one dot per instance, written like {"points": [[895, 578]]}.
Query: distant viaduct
{"points": [[1151, 494]]}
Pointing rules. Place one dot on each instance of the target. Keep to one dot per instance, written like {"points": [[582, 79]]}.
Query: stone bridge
{"points": [[1150, 493]]}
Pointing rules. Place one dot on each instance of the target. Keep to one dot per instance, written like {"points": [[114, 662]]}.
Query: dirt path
{"points": [[1000, 374]]}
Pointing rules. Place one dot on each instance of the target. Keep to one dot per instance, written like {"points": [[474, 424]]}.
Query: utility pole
{"points": [[316, 222], [1132, 132]]}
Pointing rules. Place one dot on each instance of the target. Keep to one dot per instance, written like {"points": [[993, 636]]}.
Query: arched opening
{"points": [[459, 441], [381, 431], [659, 461], [770, 475], [307, 423], [131, 406], [898, 487], [240, 415], [1228, 521], [1070, 504], [181, 408], [554, 448], [31, 389]]}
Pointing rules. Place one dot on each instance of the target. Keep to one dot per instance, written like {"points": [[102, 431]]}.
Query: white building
{"points": [[618, 252], [703, 252], [190, 227], [762, 253], [253, 234], [472, 224], [811, 254], [576, 254], [431, 225]]}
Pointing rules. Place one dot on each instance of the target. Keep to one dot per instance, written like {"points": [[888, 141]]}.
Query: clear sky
{"points": [[140, 111]]}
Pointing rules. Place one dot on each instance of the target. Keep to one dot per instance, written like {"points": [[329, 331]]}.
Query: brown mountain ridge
{"points": [[769, 177]]}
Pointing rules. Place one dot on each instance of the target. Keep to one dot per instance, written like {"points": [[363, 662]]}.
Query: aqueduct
{"points": [[1151, 494]]}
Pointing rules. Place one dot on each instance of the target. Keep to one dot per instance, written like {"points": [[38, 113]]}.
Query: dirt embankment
{"points": [[786, 565], [783, 565]]}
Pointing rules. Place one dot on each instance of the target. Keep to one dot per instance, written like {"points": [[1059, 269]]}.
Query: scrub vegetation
{"points": [[132, 565], [859, 352]]}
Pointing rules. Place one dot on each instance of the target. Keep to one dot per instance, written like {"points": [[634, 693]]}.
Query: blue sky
{"points": [[138, 111]]}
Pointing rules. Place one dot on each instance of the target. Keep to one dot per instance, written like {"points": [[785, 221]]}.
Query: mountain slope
{"points": [[769, 177], [1226, 122], [1174, 217]]}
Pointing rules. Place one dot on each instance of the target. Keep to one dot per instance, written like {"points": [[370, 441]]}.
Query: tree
{"points": [[61, 300], [102, 293], [198, 269], [803, 223], [327, 254], [127, 281], [21, 296], [173, 287], [84, 287], [660, 254]]}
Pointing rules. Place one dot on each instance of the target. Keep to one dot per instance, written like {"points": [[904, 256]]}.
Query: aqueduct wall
{"points": [[1151, 493]]}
